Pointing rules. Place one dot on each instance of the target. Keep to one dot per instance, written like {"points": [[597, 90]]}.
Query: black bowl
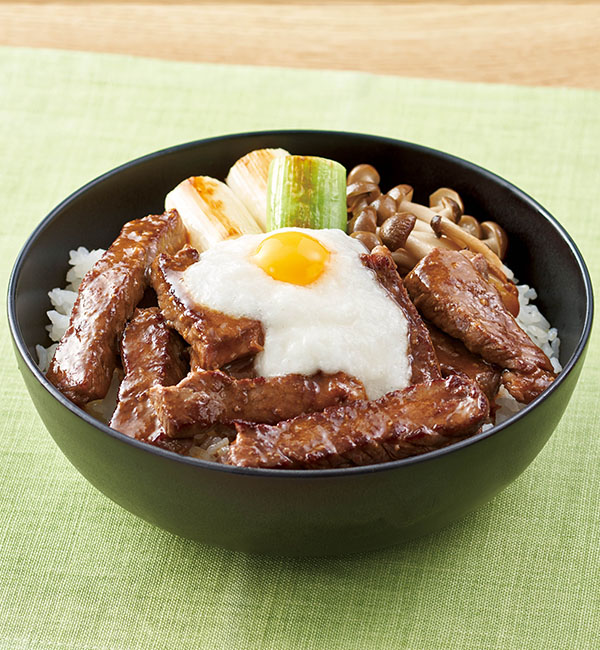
{"points": [[301, 512]]}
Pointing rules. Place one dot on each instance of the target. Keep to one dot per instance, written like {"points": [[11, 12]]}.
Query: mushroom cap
{"points": [[495, 237], [470, 224], [395, 230], [386, 206], [365, 220], [369, 239], [435, 199], [402, 191], [404, 260], [360, 194], [363, 173], [451, 208]]}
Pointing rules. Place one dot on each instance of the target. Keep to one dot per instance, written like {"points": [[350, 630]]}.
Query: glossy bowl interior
{"points": [[301, 512]]}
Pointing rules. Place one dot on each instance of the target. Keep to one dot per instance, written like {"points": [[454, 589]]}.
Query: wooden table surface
{"points": [[549, 44]]}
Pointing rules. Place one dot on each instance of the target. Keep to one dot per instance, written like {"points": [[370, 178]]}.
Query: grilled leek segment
{"points": [[210, 211], [248, 179], [306, 192]]}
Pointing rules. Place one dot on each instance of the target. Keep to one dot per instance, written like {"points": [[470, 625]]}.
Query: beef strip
{"points": [[455, 358], [209, 397], [86, 356], [240, 368], [152, 354], [505, 287], [402, 423], [448, 290], [216, 338], [423, 360]]}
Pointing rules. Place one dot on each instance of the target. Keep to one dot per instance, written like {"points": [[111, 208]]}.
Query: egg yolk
{"points": [[292, 256]]}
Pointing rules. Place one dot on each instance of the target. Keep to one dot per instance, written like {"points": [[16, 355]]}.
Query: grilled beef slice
{"points": [[449, 291], [506, 288], [206, 398], [402, 423], [455, 358], [216, 339], [152, 354], [86, 356], [423, 360]]}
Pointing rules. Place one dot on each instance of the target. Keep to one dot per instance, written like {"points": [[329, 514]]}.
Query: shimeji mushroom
{"points": [[441, 226], [365, 220], [431, 240], [360, 194], [363, 174], [386, 207], [403, 190], [362, 187], [443, 223], [489, 232], [442, 196], [471, 225], [495, 237], [395, 231], [406, 227], [404, 260], [446, 205]]}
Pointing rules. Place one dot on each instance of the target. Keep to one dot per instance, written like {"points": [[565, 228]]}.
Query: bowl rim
{"points": [[23, 351]]}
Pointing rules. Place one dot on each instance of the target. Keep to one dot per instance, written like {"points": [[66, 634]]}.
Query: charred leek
{"points": [[306, 192], [248, 179], [210, 211]]}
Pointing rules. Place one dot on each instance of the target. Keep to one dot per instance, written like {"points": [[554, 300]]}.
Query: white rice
{"points": [[213, 447], [209, 447], [537, 327]]}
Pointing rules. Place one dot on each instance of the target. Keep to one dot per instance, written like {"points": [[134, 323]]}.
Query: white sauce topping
{"points": [[344, 321]]}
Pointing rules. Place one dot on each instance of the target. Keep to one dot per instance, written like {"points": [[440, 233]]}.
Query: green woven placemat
{"points": [[78, 572]]}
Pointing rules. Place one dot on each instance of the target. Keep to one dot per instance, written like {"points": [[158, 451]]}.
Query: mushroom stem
{"points": [[434, 241], [443, 226], [420, 211], [404, 259], [424, 213], [421, 226], [420, 244], [417, 247]]}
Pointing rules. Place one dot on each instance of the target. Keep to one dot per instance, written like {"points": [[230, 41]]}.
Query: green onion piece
{"points": [[248, 178], [306, 192]]}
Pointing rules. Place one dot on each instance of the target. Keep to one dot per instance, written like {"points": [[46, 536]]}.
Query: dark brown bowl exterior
{"points": [[301, 512]]}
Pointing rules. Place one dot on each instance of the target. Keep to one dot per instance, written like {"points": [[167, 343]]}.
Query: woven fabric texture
{"points": [[78, 572]]}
